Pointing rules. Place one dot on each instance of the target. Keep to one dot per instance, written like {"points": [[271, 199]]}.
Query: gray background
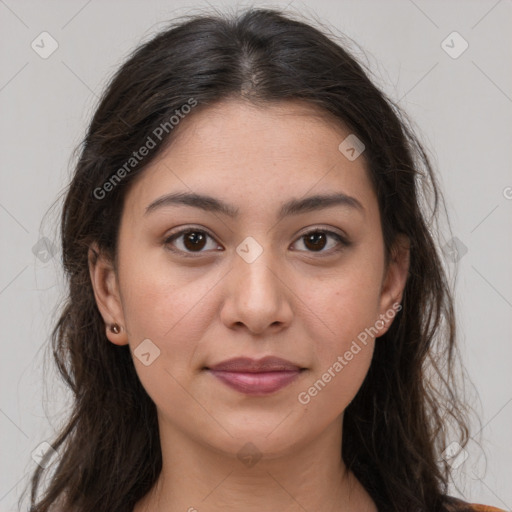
{"points": [[462, 107]]}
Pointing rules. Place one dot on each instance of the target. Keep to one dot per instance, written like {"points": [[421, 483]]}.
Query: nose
{"points": [[257, 297]]}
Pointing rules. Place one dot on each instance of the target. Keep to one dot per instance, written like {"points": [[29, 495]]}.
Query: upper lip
{"points": [[248, 365]]}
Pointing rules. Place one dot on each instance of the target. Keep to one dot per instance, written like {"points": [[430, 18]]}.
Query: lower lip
{"points": [[256, 383]]}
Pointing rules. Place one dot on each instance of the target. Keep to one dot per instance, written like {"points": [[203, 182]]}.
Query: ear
{"points": [[393, 283], [106, 292]]}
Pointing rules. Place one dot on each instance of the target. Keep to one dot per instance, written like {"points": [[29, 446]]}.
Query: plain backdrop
{"points": [[460, 101]]}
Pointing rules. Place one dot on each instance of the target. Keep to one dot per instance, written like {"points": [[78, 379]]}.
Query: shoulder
{"points": [[456, 505]]}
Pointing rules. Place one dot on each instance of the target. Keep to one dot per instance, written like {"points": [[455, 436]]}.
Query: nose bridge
{"points": [[256, 279], [258, 296]]}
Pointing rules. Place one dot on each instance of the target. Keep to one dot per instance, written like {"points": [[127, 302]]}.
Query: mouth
{"points": [[256, 377]]}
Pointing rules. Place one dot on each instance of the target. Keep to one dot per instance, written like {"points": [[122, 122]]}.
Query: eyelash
{"points": [[343, 242]]}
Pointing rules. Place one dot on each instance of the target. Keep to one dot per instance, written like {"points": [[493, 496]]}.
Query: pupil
{"points": [[314, 238], [194, 240]]}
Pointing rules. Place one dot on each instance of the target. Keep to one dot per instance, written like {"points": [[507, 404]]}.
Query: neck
{"points": [[196, 477]]}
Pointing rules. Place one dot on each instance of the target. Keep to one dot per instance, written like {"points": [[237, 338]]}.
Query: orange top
{"points": [[486, 508]]}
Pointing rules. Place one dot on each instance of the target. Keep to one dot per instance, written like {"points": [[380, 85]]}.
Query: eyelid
{"points": [[325, 229]]}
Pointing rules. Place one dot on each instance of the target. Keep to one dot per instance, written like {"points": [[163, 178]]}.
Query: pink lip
{"points": [[256, 377], [254, 383]]}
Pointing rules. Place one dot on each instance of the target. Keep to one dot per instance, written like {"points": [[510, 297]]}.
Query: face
{"points": [[257, 271]]}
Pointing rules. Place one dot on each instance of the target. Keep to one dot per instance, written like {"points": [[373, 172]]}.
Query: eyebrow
{"points": [[292, 207]]}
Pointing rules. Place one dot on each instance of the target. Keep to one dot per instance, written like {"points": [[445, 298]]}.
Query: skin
{"points": [[293, 301]]}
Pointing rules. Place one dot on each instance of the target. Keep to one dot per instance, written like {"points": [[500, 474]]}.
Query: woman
{"points": [[255, 295]]}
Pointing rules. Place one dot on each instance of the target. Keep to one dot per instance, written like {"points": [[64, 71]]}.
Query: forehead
{"points": [[265, 153]]}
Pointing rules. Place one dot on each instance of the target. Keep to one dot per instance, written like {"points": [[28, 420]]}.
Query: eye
{"points": [[316, 240], [190, 240], [194, 240]]}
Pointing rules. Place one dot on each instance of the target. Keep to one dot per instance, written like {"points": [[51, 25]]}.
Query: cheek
{"points": [[172, 312], [341, 360], [346, 301], [346, 308], [160, 299]]}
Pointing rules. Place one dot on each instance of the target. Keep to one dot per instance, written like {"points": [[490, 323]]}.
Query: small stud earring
{"points": [[115, 328]]}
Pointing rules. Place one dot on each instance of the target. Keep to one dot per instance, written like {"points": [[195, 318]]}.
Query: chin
{"points": [[259, 436]]}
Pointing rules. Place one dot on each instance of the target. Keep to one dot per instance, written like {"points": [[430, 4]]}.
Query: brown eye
{"points": [[318, 240], [315, 241], [189, 241], [194, 240]]}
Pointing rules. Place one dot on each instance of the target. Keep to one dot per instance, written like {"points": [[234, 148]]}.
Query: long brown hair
{"points": [[395, 428]]}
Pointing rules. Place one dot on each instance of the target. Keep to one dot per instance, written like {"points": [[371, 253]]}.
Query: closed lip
{"points": [[249, 365], [257, 377]]}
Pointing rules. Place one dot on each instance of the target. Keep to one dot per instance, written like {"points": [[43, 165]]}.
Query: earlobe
{"points": [[106, 293], [394, 281]]}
